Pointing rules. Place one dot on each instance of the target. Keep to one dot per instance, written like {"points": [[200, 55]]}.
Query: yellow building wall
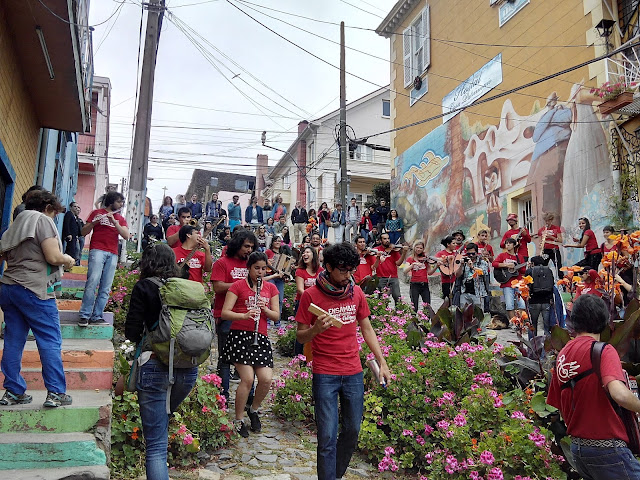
{"points": [[19, 127]]}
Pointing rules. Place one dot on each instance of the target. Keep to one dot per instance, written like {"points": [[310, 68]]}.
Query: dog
{"points": [[498, 322]]}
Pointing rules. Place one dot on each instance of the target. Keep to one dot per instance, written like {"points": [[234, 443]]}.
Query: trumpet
{"points": [[194, 222], [257, 305]]}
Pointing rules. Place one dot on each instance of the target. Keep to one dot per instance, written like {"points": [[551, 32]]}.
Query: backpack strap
{"points": [[594, 363], [157, 281]]}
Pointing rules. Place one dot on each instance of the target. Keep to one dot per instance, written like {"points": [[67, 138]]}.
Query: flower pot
{"points": [[610, 106]]}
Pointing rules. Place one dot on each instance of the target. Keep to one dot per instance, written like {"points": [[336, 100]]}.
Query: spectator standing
{"points": [[299, 220], [152, 232], [373, 215], [184, 217], [148, 210], [33, 252], [20, 208], [80, 237], [100, 202], [213, 209], [107, 224], [365, 224], [166, 210], [394, 227], [337, 370], [353, 220], [383, 213], [180, 203], [234, 210], [195, 206], [267, 207], [324, 216], [253, 214], [279, 210], [541, 295], [338, 220], [588, 403], [71, 231]]}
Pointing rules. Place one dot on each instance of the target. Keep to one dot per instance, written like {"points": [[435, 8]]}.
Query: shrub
{"points": [[118, 303], [292, 399], [287, 339]]}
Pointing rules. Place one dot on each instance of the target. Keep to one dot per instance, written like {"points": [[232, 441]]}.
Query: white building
{"points": [[309, 171]]}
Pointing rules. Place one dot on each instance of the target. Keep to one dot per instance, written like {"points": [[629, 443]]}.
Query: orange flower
{"points": [[477, 272], [507, 438], [576, 279], [528, 279], [134, 436]]}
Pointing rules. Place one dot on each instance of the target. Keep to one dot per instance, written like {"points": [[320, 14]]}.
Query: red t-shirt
{"points": [[485, 249], [335, 351], [505, 257], [552, 233], [365, 268], [387, 267], [105, 235], [593, 416], [606, 249], [196, 263], [226, 270], [173, 229], [309, 279], [524, 239], [419, 275], [246, 298], [592, 243], [446, 278], [587, 289]]}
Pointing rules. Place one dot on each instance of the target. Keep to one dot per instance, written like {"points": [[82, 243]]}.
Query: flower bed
{"points": [[450, 411]]}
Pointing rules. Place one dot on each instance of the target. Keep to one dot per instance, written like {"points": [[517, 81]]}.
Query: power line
{"points": [[79, 24], [361, 9], [102, 40], [224, 111]]}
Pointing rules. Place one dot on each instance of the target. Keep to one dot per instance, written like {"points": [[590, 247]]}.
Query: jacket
{"points": [[196, 209], [248, 214], [299, 216], [342, 214], [70, 226]]}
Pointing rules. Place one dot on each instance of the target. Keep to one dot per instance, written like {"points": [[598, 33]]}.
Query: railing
{"points": [[625, 66], [625, 157], [84, 38]]}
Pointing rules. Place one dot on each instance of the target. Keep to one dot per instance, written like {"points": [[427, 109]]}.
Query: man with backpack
{"points": [[472, 277], [541, 295]]}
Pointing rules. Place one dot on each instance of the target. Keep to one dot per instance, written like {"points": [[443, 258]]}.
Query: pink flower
{"points": [[443, 424], [205, 409], [298, 397], [407, 433], [470, 362], [419, 440], [487, 458], [519, 415], [182, 429], [460, 420], [428, 430], [495, 474], [187, 440]]}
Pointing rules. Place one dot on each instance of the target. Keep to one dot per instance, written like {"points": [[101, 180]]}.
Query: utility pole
{"points": [[140, 157], [343, 124]]}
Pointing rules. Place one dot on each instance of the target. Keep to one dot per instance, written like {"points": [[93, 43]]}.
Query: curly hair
{"points": [[158, 260], [341, 255], [41, 199], [111, 198], [237, 241]]}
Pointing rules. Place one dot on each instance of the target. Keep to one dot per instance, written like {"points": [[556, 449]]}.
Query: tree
{"points": [[381, 191]]}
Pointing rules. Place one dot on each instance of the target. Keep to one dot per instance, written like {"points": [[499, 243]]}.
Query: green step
{"points": [[96, 332], [40, 450]]}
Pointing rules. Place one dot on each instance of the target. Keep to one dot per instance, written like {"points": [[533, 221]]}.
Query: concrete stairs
{"points": [[65, 442]]}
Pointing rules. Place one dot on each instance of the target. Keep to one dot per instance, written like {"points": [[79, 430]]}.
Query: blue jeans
{"points": [[597, 463], [23, 310], [510, 299], [279, 283], [334, 452], [323, 230], [223, 327], [102, 268], [153, 383]]}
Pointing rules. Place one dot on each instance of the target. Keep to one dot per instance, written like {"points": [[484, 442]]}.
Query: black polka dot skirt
{"points": [[239, 348]]}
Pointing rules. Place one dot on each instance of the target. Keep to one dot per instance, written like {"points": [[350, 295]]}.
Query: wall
{"points": [[19, 128], [469, 172]]}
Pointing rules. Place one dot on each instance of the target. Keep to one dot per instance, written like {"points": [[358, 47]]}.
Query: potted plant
{"points": [[614, 95]]}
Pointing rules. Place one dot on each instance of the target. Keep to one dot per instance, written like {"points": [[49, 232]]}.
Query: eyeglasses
{"points": [[344, 271]]}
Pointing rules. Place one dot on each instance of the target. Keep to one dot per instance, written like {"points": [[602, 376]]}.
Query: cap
{"points": [[512, 216], [593, 275]]}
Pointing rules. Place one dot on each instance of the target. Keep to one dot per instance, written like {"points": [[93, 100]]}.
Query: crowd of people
{"points": [[248, 279]]}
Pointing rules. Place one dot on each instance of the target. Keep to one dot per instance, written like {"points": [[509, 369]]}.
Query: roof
{"points": [[353, 104], [396, 16], [226, 182]]}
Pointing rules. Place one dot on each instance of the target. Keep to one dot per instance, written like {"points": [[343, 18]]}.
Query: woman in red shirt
{"points": [[248, 346], [592, 252], [306, 274], [419, 271], [449, 251]]}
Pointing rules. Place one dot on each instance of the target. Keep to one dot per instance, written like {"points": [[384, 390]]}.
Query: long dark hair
{"points": [[587, 226], [255, 257], [158, 260], [314, 260], [237, 241]]}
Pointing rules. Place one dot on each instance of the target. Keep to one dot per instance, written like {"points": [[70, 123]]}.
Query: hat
{"points": [[593, 275], [512, 216], [458, 232]]}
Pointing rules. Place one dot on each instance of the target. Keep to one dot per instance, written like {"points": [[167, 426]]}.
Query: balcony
{"points": [[56, 58], [625, 68]]}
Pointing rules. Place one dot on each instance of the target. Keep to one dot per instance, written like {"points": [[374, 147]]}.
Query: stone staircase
{"points": [[72, 441]]}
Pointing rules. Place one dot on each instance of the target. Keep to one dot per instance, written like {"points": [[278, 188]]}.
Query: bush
{"points": [[286, 340], [118, 303], [291, 397]]}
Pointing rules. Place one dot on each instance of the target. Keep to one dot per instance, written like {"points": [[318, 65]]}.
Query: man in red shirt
{"points": [[551, 233], [521, 235], [184, 217], [337, 371], [107, 224], [390, 260], [510, 259], [598, 437], [227, 269], [201, 261], [368, 262]]}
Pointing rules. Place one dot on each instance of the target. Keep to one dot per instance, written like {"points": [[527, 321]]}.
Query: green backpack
{"points": [[182, 336]]}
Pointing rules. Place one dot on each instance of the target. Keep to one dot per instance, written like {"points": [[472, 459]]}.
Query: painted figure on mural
{"points": [[492, 193], [587, 159], [551, 134]]}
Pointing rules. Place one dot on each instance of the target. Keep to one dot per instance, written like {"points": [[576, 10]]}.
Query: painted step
{"points": [[90, 409], [97, 472], [24, 451], [82, 270], [96, 332], [75, 275], [70, 316], [73, 283], [76, 353], [77, 378]]}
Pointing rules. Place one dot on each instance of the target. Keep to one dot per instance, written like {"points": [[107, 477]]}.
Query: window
{"points": [[364, 153], [286, 182], [416, 46], [242, 185], [386, 108], [525, 212]]}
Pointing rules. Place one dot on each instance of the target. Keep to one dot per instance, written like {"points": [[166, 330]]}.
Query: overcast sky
{"points": [[219, 114]]}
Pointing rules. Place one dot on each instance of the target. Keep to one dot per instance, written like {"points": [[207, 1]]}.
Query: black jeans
{"points": [[419, 290], [535, 309], [223, 327], [592, 260]]}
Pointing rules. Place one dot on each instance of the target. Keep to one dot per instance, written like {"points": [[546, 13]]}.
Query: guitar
{"points": [[504, 274], [631, 419], [521, 232], [183, 266], [448, 264]]}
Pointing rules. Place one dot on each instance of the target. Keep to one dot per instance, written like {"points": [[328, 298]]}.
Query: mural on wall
{"points": [[459, 176]]}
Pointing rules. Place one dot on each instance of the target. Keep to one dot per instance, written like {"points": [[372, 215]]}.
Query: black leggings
{"points": [[418, 290], [592, 260]]}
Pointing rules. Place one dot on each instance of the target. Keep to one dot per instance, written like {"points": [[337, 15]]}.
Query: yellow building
{"points": [[472, 160]]}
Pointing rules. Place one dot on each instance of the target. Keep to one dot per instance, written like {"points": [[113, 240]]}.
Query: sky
{"points": [[222, 78]]}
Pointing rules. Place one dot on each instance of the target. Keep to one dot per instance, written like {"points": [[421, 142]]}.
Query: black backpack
{"points": [[542, 280]]}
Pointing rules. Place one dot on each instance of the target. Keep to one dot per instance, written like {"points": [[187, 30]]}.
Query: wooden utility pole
{"points": [[343, 124], [140, 157]]}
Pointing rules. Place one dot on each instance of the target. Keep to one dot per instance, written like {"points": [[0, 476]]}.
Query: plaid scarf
{"points": [[328, 288]]}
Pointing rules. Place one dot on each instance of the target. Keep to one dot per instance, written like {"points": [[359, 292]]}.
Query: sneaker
{"points": [[234, 377], [277, 324], [98, 321], [10, 398], [241, 428], [57, 399], [83, 322], [249, 403], [256, 425]]}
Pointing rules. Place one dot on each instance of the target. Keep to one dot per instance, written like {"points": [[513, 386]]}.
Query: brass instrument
{"points": [[257, 306], [194, 222]]}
